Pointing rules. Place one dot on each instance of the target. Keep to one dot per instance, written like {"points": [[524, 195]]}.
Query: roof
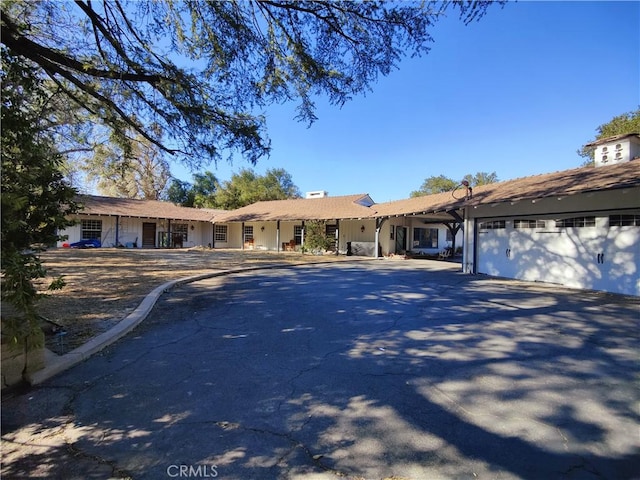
{"points": [[614, 138], [566, 182], [128, 207], [563, 183], [326, 208]]}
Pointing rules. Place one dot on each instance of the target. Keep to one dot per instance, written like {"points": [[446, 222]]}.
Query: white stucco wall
{"points": [[130, 229]]}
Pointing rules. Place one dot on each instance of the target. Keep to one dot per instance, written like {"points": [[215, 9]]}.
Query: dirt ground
{"points": [[104, 285]]}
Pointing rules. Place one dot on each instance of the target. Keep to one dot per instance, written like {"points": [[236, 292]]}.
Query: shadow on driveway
{"points": [[374, 370]]}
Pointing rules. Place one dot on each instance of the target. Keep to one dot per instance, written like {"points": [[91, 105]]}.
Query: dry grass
{"points": [[104, 285]]}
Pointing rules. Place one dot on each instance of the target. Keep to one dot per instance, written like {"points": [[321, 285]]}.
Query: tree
{"points": [[481, 178], [133, 170], [181, 193], [204, 188], [36, 201], [434, 184], [619, 125], [442, 184], [246, 187], [316, 239], [201, 70]]}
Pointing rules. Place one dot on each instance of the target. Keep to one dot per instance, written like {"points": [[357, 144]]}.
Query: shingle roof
{"points": [[326, 208], [127, 207], [567, 182]]}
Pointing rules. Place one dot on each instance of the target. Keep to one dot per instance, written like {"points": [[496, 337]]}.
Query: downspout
{"points": [[278, 236], [242, 236], [213, 234], [337, 236], [302, 238]]}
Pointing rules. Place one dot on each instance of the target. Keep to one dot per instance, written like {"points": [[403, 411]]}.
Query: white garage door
{"points": [[593, 252]]}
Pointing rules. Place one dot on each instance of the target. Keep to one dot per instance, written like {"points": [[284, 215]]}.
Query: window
{"points": [[179, 230], [248, 233], [624, 220], [618, 146], [576, 222], [529, 224], [220, 233], [495, 224], [330, 231], [425, 238], [449, 236], [297, 234], [91, 229]]}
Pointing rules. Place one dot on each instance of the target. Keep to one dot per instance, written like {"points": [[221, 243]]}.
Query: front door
{"points": [[148, 235], [401, 239]]}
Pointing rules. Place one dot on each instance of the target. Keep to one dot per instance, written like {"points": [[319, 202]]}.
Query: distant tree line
{"points": [[244, 188]]}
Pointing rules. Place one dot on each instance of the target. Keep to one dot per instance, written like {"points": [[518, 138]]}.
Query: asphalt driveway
{"points": [[402, 369]]}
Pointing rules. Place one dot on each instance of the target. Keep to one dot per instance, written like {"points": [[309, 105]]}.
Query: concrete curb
{"points": [[58, 364]]}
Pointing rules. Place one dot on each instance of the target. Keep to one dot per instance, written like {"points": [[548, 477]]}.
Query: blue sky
{"points": [[516, 93]]}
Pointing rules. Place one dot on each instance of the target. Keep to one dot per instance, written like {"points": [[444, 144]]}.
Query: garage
{"points": [[598, 251]]}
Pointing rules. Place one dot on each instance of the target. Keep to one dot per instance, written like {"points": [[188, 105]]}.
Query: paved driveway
{"points": [[367, 370]]}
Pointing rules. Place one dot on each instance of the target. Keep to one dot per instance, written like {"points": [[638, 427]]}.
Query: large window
{"points": [[179, 230], [220, 233], [91, 229], [576, 222], [425, 238]]}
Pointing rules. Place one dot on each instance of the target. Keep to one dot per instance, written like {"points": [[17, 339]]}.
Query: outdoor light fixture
{"points": [[362, 228], [192, 227], [262, 228]]}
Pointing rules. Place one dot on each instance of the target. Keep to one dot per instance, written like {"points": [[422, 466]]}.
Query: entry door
{"points": [[401, 239], [148, 235]]}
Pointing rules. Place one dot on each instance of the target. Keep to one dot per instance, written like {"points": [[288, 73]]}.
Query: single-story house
{"points": [[578, 228], [124, 222]]}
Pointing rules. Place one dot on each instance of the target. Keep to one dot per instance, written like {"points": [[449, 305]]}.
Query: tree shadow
{"points": [[405, 372]]}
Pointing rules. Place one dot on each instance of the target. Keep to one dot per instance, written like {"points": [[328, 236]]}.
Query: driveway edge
{"points": [[58, 364]]}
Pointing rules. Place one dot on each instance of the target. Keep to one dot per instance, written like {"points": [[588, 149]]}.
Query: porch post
{"points": [[117, 230], [302, 239], [278, 236], [337, 236], [242, 236], [213, 234], [169, 237]]}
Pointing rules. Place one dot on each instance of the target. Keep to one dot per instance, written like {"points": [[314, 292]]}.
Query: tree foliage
{"points": [[247, 187], [619, 125], [203, 71], [135, 170], [316, 239], [243, 188], [36, 201], [442, 183]]}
